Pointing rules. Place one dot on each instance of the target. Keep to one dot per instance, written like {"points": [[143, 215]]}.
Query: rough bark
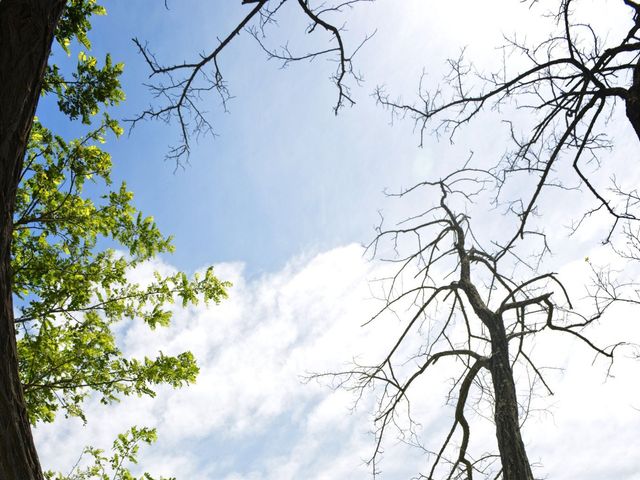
{"points": [[633, 101], [513, 455], [26, 34], [515, 463]]}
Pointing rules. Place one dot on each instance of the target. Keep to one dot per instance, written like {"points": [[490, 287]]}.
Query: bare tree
{"points": [[468, 313], [485, 319], [179, 87], [570, 84]]}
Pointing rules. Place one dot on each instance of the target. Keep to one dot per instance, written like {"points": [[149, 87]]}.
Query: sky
{"points": [[280, 201]]}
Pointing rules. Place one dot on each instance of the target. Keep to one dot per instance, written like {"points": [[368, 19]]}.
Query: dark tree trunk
{"points": [[513, 455], [515, 463], [633, 101], [26, 33]]}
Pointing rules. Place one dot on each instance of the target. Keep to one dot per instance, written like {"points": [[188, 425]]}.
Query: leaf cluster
{"points": [[77, 239], [116, 466]]}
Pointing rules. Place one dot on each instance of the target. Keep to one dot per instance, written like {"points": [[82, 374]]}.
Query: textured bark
{"points": [[513, 455], [633, 101], [26, 33], [515, 463]]}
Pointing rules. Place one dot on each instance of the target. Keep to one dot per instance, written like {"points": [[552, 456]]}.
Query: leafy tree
{"points": [[59, 313], [71, 291], [115, 467]]}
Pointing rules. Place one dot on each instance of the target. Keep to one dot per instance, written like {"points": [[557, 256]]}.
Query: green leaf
{"points": [[71, 293]]}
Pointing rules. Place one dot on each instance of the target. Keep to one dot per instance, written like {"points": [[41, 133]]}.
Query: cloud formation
{"points": [[250, 415]]}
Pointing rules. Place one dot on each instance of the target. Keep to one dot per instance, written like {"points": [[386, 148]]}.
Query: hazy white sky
{"points": [[279, 202]]}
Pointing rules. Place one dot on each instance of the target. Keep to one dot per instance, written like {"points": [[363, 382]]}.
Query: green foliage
{"points": [[115, 467], [75, 22], [89, 86], [71, 290], [81, 93]]}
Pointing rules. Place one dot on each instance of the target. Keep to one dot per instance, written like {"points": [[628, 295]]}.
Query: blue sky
{"points": [[285, 175], [279, 202]]}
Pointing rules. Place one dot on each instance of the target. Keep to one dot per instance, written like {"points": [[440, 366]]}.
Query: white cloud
{"points": [[250, 416]]}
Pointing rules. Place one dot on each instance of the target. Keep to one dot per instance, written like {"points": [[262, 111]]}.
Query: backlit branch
{"points": [[573, 81], [180, 89]]}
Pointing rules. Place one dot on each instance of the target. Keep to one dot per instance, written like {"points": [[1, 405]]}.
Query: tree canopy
{"points": [[74, 250]]}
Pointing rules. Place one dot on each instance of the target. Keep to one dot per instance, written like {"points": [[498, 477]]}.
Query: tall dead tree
{"points": [[570, 84], [572, 81], [452, 295]]}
